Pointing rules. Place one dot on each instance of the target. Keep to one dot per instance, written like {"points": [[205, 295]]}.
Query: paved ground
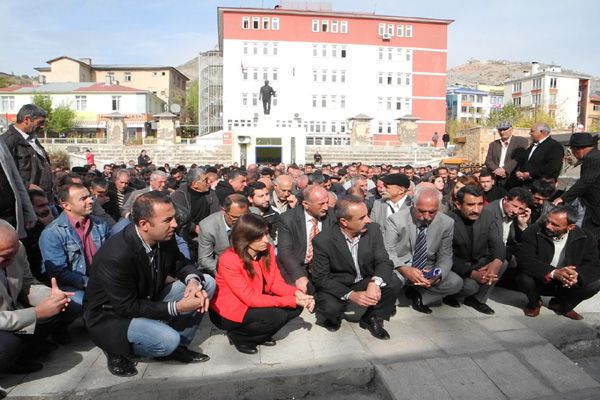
{"points": [[451, 354]]}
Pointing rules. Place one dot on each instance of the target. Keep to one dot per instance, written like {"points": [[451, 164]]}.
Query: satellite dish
{"points": [[175, 108]]}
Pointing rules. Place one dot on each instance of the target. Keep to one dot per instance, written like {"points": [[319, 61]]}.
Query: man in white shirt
{"points": [[393, 198], [558, 259], [502, 155]]}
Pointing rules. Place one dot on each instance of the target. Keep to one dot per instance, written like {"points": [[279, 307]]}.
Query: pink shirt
{"points": [[84, 231]]}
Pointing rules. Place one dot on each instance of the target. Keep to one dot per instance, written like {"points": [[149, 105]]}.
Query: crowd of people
{"points": [[142, 252]]}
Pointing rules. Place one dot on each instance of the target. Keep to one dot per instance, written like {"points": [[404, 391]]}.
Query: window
{"points": [[7, 103], [323, 101], [265, 48], [536, 99], [344, 26], [324, 50], [116, 103], [315, 25], [275, 74], [343, 76], [408, 79], [398, 103], [333, 100], [409, 31], [315, 75], [408, 54], [390, 29], [407, 104], [516, 88], [400, 30], [398, 78], [380, 127], [380, 103], [266, 22], [390, 54], [596, 107], [255, 74], [343, 102], [381, 30], [314, 101], [389, 127], [254, 99], [127, 76], [380, 78], [334, 51], [275, 24], [255, 22], [255, 48], [381, 53], [314, 50], [553, 83], [389, 78], [246, 23], [389, 103], [245, 74], [80, 103], [334, 26], [265, 74], [334, 76], [275, 49], [517, 101], [244, 99], [537, 83], [343, 52], [463, 109], [324, 75], [245, 48], [325, 25]]}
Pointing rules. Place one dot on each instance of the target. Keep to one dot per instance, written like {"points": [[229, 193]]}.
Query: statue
{"points": [[265, 95]]}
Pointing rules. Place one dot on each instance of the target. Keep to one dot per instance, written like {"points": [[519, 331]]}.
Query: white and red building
{"points": [[327, 67]]}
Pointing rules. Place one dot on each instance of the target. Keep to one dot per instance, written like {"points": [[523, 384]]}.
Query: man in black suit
{"points": [[478, 251], [558, 259], [584, 147], [351, 265], [544, 158], [118, 193], [296, 229], [138, 280], [503, 153]]}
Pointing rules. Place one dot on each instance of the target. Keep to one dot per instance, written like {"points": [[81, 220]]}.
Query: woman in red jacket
{"points": [[252, 301]]}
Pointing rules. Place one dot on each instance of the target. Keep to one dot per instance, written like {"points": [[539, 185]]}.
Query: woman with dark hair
{"points": [[144, 159], [252, 301]]}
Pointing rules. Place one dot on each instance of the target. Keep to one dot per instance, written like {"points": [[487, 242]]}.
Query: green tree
{"points": [[509, 112], [45, 102], [191, 103], [4, 81], [62, 119]]}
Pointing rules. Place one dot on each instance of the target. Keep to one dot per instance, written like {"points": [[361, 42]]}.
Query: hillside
{"points": [[9, 79], [190, 69]]}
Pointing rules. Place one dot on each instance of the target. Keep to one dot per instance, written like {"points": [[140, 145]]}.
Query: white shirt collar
{"points": [[147, 247]]}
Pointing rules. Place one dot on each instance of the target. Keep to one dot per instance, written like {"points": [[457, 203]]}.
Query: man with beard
{"points": [[41, 206], [260, 204], [541, 193], [558, 259]]}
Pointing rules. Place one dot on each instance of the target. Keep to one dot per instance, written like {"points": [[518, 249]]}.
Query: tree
{"points": [[45, 102], [191, 103], [4, 82], [62, 119]]}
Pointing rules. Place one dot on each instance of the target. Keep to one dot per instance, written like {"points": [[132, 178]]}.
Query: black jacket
{"points": [[333, 269], [587, 189], [546, 161], [537, 250], [112, 205], [122, 286], [34, 168], [223, 189]]}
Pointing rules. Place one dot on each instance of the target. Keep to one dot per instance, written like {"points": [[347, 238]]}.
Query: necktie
{"points": [[314, 231], [4, 281], [420, 254]]}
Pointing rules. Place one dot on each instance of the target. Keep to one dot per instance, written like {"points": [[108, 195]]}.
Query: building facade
{"points": [[593, 117], [327, 67], [467, 104], [93, 103], [562, 95], [165, 82]]}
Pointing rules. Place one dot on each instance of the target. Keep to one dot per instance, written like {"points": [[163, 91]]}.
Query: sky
{"points": [[171, 32]]}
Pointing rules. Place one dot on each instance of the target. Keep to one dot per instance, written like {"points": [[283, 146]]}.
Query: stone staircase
{"points": [[400, 155]]}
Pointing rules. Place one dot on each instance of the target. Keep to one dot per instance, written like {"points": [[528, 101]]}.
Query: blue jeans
{"points": [[75, 308], [153, 338]]}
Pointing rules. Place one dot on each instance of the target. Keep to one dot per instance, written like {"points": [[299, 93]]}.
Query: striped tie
{"points": [[313, 232], [420, 255]]}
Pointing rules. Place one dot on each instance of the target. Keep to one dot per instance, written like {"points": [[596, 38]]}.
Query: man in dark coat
{"points": [[504, 153], [138, 280], [584, 147], [558, 259]]}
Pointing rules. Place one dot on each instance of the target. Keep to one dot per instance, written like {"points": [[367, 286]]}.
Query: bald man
{"points": [[282, 198], [27, 309]]}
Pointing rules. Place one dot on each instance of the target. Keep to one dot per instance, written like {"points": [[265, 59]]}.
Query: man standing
{"points": [[584, 148], [558, 259], [297, 229], [69, 243], [418, 240], [265, 95], [393, 199], [446, 139], [351, 265], [215, 230], [139, 279], [504, 153], [435, 138], [28, 154], [478, 252], [27, 309], [544, 158]]}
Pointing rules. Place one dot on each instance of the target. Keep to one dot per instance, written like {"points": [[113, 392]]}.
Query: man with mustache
{"points": [[41, 206], [558, 259], [69, 243], [478, 251]]}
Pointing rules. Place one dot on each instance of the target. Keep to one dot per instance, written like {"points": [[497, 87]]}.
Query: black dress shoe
{"points": [[186, 356], [417, 301], [270, 342], [330, 325], [375, 326], [477, 305], [22, 367], [120, 365], [451, 301]]}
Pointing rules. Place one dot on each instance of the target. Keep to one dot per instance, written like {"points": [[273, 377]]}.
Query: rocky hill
{"points": [[190, 69], [9, 80]]}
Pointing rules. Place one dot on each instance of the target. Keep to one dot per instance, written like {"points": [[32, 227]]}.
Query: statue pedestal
{"points": [[116, 128], [361, 130], [166, 131]]}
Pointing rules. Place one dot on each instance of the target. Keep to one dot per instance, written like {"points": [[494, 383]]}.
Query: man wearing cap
{"points": [[584, 148], [501, 157], [393, 198]]}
